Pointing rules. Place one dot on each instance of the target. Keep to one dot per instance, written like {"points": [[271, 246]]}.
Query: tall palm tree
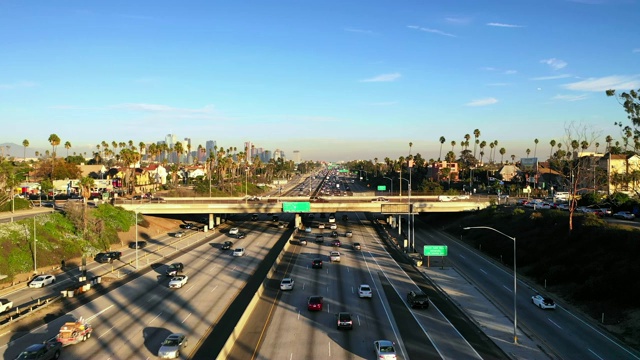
{"points": [[442, 140], [502, 152], [189, 152], [535, 149], [513, 158], [597, 144], [466, 141], [476, 133], [143, 148], [453, 145], [54, 140], [491, 145], [553, 144], [608, 140], [575, 145], [528, 152], [25, 144], [67, 145], [482, 146]]}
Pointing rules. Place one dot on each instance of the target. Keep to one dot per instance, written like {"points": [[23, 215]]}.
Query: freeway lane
{"points": [[294, 332], [567, 334], [132, 320]]}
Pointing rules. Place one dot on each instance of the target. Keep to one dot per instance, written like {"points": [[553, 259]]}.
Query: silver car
{"points": [[171, 346]]}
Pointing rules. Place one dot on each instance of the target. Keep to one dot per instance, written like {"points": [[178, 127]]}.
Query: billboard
{"points": [[529, 164]]}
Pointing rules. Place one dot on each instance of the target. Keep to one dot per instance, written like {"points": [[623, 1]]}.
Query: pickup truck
{"points": [[5, 305]]}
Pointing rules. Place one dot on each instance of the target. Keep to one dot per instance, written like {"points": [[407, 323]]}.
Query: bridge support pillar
{"points": [[298, 221], [218, 220]]}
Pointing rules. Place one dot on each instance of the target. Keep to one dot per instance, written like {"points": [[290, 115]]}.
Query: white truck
{"points": [[5, 305]]}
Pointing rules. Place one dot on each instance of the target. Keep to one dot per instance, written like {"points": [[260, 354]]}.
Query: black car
{"points": [[240, 235], [345, 217], [316, 264], [418, 299], [187, 226], [107, 257], [254, 217], [345, 321], [275, 218], [137, 244], [44, 351], [227, 245], [319, 239], [174, 269]]}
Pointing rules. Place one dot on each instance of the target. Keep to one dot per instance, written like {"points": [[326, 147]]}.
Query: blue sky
{"points": [[334, 79]]}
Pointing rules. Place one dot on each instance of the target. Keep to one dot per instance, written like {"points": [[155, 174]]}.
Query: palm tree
{"points": [[528, 152], [491, 145], [584, 145], [442, 140], [553, 144], [608, 140], [495, 145], [482, 145], [535, 149], [575, 145], [67, 145], [513, 159], [466, 141], [143, 148], [476, 133], [54, 140], [453, 144], [597, 144], [502, 152], [25, 144]]}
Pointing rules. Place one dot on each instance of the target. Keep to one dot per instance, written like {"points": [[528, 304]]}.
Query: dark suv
{"points": [[418, 299], [345, 321], [174, 269], [316, 264], [107, 257]]}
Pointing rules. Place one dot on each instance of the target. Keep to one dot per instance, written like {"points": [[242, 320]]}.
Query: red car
{"points": [[314, 303]]}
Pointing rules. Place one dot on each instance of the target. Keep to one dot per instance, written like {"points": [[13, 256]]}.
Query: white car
{"points": [[333, 226], [234, 231], [287, 284], [543, 302], [385, 350], [334, 256], [177, 282], [307, 229], [321, 226], [625, 215], [42, 280], [238, 252], [364, 291]]}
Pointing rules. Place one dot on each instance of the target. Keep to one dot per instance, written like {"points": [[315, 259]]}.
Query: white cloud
{"points": [[433, 31], [570, 97], [637, 50], [482, 102], [556, 64], [18, 85], [554, 77], [455, 20], [383, 78], [504, 25], [627, 82]]}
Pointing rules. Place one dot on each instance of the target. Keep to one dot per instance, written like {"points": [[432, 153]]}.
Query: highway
{"points": [[564, 332]]}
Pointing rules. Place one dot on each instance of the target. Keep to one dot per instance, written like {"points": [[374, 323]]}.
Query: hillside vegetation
{"points": [[594, 267]]}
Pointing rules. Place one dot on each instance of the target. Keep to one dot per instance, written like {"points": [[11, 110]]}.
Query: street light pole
{"points": [[136, 215], [35, 248], [515, 277], [390, 180]]}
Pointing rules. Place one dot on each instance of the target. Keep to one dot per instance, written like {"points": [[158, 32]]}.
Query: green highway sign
{"points": [[435, 250], [343, 171], [382, 188], [296, 206]]}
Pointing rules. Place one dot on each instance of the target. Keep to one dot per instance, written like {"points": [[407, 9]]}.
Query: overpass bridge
{"points": [[215, 207]]}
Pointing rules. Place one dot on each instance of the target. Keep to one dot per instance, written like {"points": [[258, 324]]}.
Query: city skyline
{"points": [[336, 81]]}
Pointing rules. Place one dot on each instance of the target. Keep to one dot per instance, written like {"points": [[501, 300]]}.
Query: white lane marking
{"points": [[185, 319], [483, 271], [462, 256], [155, 317], [214, 288], [558, 326], [329, 349], [190, 287], [596, 355], [508, 288]]}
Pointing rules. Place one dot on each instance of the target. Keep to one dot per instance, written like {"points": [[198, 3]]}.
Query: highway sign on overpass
{"points": [[435, 250], [296, 207]]}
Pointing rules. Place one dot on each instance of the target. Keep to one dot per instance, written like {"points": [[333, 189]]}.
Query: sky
{"points": [[336, 80]]}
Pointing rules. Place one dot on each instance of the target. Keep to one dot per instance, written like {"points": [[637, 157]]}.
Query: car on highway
{"points": [[380, 199], [319, 239], [543, 302], [334, 256], [345, 217], [281, 225], [254, 217], [336, 243], [357, 246], [316, 263], [321, 226], [238, 252], [171, 346], [137, 244], [234, 231], [345, 321], [418, 299], [334, 234], [333, 226], [227, 245], [179, 234], [47, 350], [241, 235], [188, 226], [364, 291], [332, 218], [178, 281], [42, 280], [174, 269], [107, 257], [384, 349], [314, 303], [624, 215], [287, 284], [275, 218], [349, 233], [302, 241], [307, 229]]}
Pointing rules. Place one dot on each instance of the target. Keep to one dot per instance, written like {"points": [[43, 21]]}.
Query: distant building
{"points": [[297, 158]]}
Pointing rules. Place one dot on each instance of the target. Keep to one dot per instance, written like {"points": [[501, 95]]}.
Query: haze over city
{"points": [[334, 80]]}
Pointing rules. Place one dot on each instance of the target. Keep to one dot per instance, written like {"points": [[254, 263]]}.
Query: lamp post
{"points": [[515, 278], [246, 194], [390, 180], [408, 212], [35, 248], [136, 215]]}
